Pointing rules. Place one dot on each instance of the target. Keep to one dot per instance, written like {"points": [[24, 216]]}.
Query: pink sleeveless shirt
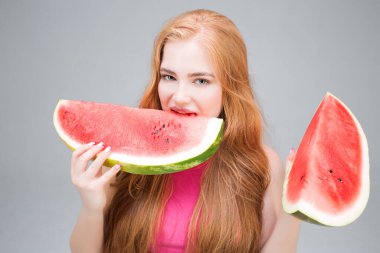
{"points": [[172, 236]]}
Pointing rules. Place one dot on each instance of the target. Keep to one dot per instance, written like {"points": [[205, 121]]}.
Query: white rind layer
{"points": [[212, 131], [351, 213]]}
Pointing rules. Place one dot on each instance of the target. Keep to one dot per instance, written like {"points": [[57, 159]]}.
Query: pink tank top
{"points": [[172, 236]]}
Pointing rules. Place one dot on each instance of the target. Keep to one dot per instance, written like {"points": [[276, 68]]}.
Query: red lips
{"points": [[182, 111]]}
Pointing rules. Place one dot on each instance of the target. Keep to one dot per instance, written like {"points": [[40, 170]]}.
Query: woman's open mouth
{"points": [[182, 112]]}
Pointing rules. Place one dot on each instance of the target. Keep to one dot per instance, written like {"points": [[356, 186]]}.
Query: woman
{"points": [[232, 202]]}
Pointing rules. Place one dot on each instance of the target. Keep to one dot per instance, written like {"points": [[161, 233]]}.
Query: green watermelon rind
{"points": [[151, 169], [309, 213]]}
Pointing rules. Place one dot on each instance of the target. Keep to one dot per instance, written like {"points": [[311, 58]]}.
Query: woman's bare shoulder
{"points": [[275, 163]]}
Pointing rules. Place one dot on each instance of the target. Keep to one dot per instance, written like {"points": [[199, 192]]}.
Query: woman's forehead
{"points": [[186, 56]]}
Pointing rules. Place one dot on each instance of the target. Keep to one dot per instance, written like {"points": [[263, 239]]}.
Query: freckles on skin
{"points": [[188, 80]]}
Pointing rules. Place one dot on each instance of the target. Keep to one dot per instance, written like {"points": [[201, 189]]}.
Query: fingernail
{"points": [[107, 149], [117, 167], [100, 144], [91, 143]]}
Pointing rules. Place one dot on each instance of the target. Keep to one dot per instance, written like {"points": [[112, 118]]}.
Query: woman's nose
{"points": [[181, 95]]}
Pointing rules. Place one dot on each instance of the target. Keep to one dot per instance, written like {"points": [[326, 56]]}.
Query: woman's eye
{"points": [[168, 77], [201, 81]]}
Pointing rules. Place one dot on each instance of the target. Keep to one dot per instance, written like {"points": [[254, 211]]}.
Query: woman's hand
{"points": [[93, 185]]}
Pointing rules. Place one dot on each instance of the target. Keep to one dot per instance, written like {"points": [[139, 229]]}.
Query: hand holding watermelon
{"points": [[93, 185]]}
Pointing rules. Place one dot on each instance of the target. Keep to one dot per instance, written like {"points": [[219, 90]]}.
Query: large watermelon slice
{"points": [[143, 141], [328, 182]]}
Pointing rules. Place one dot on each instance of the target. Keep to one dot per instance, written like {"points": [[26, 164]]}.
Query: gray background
{"points": [[100, 51]]}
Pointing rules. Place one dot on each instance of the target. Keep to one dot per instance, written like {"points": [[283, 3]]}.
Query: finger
{"points": [[109, 174], [96, 165], [79, 151], [291, 155], [80, 163], [290, 159]]}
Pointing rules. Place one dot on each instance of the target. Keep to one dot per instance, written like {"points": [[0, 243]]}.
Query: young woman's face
{"points": [[188, 83]]}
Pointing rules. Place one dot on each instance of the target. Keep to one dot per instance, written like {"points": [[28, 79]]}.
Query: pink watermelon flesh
{"points": [[87, 121], [329, 165]]}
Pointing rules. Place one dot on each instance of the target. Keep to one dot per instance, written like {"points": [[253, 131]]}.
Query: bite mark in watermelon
{"points": [[328, 182], [143, 141]]}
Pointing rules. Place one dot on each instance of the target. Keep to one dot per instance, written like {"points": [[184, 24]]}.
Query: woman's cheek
{"points": [[164, 94]]}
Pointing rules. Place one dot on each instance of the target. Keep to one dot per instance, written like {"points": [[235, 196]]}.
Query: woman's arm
{"points": [[87, 235], [93, 185], [284, 232], [284, 235]]}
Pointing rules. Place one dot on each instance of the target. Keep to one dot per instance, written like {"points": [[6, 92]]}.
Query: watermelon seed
{"points": [[331, 171], [340, 180], [167, 140]]}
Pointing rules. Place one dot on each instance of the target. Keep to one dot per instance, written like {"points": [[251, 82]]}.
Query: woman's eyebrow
{"points": [[167, 71], [195, 74]]}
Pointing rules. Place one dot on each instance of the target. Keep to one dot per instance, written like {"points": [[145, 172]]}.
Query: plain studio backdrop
{"points": [[100, 51]]}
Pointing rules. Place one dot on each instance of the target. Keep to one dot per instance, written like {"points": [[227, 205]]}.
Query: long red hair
{"points": [[228, 213]]}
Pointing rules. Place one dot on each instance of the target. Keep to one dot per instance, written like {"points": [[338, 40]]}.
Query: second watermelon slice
{"points": [[328, 182]]}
